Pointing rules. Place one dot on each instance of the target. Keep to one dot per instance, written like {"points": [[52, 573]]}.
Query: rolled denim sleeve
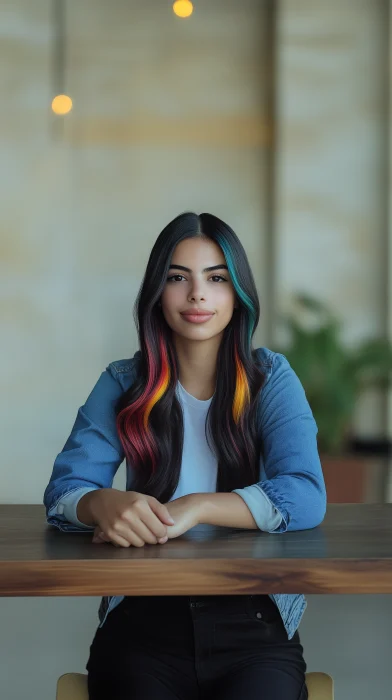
{"points": [[67, 506], [266, 516], [294, 482], [91, 455]]}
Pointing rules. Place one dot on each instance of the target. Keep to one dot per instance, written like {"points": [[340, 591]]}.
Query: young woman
{"points": [[213, 431]]}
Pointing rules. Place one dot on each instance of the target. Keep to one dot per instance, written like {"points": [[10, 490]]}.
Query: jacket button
{"points": [[259, 615]]}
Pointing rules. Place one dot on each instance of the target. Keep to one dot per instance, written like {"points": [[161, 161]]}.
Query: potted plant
{"points": [[333, 377]]}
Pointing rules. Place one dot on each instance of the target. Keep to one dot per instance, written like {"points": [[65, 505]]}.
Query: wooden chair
{"points": [[73, 686]]}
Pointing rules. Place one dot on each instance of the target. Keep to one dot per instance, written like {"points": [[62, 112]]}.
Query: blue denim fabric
{"points": [[290, 469]]}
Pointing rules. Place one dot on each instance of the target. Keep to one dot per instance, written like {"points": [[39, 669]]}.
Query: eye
{"points": [[173, 278], [178, 278]]}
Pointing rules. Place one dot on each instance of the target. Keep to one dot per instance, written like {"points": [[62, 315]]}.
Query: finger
{"points": [[141, 511], [154, 525], [119, 543], [125, 536], [99, 537], [150, 537], [96, 533], [142, 530], [161, 512]]}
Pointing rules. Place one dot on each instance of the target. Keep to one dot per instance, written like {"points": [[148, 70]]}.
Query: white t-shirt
{"points": [[198, 466]]}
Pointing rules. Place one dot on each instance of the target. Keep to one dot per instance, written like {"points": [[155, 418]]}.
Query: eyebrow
{"points": [[206, 269]]}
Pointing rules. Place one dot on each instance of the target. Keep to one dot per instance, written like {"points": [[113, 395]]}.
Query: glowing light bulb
{"points": [[61, 104], [183, 8]]}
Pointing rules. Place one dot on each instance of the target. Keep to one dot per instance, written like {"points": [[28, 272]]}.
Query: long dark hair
{"points": [[149, 415]]}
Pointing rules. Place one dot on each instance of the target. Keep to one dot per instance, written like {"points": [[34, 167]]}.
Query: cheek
{"points": [[225, 298], [172, 298]]}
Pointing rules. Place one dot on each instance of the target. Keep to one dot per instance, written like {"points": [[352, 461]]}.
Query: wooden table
{"points": [[351, 552]]}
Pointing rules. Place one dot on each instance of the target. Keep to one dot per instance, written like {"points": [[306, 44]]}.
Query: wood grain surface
{"points": [[351, 552]]}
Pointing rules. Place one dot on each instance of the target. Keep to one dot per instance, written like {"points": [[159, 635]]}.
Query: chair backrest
{"points": [[320, 686], [73, 686]]}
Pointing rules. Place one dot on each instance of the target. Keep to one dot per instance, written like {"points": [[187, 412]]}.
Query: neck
{"points": [[197, 362]]}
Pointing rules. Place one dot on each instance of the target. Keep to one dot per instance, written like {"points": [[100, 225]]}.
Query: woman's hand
{"points": [[128, 518], [186, 513]]}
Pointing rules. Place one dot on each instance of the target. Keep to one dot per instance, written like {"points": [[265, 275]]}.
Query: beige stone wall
{"points": [[168, 116], [332, 167]]}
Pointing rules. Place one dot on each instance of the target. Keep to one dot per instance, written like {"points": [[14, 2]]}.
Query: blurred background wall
{"points": [[332, 166], [274, 116], [167, 116]]}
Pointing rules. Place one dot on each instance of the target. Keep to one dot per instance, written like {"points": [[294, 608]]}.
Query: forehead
{"points": [[198, 249]]}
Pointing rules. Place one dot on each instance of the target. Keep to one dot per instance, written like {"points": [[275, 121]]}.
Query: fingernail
{"points": [[163, 540], [171, 521]]}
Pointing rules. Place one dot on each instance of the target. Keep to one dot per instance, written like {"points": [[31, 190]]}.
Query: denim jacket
{"points": [[290, 470]]}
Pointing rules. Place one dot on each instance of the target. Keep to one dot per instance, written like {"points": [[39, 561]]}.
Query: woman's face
{"points": [[193, 286]]}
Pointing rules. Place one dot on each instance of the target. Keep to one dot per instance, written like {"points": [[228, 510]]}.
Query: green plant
{"points": [[332, 375]]}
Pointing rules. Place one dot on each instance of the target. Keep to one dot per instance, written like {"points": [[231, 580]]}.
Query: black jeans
{"points": [[196, 648]]}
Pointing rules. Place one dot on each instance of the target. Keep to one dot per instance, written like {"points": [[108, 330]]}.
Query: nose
{"points": [[197, 292]]}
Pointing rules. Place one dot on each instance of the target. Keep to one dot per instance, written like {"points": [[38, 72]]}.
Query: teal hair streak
{"points": [[247, 302]]}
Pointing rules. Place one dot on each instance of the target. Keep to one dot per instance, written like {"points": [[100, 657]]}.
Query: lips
{"points": [[197, 316]]}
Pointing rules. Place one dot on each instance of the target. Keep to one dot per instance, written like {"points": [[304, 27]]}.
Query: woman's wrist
{"points": [[197, 501], [224, 510], [84, 508]]}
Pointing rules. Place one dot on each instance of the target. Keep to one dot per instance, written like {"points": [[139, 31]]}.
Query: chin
{"points": [[196, 334], [203, 336]]}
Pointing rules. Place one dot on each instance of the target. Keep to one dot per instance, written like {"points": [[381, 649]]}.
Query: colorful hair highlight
{"points": [[162, 383], [242, 295], [134, 419], [242, 391]]}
